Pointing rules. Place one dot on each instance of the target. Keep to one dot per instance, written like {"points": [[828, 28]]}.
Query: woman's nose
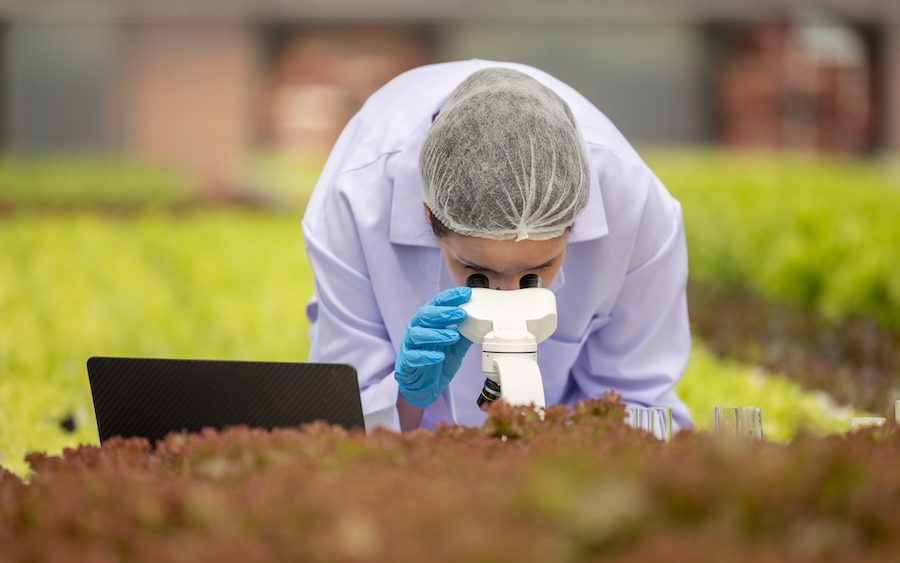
{"points": [[506, 283]]}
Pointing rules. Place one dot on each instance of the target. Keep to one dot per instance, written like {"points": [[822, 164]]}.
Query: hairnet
{"points": [[504, 159]]}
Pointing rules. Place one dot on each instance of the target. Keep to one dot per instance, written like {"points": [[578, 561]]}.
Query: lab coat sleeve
{"points": [[643, 349], [345, 321]]}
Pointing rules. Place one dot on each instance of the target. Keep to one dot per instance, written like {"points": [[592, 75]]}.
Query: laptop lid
{"points": [[151, 397]]}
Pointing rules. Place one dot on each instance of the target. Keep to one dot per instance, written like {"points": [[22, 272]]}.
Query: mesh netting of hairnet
{"points": [[504, 160]]}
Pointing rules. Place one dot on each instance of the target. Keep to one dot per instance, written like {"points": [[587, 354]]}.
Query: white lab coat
{"points": [[623, 320]]}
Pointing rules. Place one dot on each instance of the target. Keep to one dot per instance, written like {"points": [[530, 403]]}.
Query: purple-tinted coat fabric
{"points": [[623, 320]]}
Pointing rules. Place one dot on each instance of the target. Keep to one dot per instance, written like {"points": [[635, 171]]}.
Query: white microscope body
{"points": [[509, 325]]}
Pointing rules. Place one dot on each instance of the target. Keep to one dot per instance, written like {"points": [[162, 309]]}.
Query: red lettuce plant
{"points": [[569, 485]]}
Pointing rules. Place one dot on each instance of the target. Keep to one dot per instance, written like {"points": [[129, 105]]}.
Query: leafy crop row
{"points": [[819, 233], [89, 179], [822, 234], [577, 485], [110, 181], [229, 285], [223, 284], [787, 409], [854, 360]]}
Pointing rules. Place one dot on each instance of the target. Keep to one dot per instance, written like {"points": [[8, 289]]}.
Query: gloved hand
{"points": [[432, 348]]}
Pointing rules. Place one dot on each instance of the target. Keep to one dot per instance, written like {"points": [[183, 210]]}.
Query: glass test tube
{"points": [[655, 420], [741, 421]]}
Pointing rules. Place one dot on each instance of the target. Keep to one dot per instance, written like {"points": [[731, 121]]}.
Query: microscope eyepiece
{"points": [[478, 280], [530, 280]]}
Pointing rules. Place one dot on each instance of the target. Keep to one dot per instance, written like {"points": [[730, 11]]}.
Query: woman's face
{"points": [[504, 262]]}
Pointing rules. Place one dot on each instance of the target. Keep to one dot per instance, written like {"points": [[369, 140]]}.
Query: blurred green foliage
{"points": [[89, 179], [208, 284], [271, 180], [282, 179], [214, 284], [787, 409], [232, 284], [821, 233]]}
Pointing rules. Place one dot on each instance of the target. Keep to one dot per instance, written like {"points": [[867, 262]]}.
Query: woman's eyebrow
{"points": [[473, 265], [477, 267]]}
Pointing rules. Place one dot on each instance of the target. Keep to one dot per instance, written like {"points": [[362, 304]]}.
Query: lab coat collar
{"points": [[408, 223]]}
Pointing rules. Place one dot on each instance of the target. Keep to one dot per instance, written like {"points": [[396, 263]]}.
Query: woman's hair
{"points": [[437, 227]]}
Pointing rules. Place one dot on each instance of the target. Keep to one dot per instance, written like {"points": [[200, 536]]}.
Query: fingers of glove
{"points": [[444, 379], [452, 297], [461, 346], [438, 316], [453, 357], [419, 336], [415, 380], [413, 359], [458, 348], [422, 382]]}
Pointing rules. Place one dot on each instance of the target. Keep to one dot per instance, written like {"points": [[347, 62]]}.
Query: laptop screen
{"points": [[151, 397]]}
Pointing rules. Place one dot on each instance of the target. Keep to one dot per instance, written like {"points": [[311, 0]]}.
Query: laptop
{"points": [[151, 397]]}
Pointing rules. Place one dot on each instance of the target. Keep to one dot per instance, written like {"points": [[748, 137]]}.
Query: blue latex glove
{"points": [[432, 348]]}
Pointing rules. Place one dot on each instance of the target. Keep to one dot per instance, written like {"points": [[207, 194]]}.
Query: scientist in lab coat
{"points": [[500, 169]]}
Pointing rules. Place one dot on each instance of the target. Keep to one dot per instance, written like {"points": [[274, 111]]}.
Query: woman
{"points": [[499, 169]]}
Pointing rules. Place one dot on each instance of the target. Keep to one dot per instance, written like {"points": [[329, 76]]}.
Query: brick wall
{"points": [[319, 77], [784, 86]]}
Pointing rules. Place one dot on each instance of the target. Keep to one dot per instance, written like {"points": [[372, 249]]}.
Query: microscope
{"points": [[509, 325]]}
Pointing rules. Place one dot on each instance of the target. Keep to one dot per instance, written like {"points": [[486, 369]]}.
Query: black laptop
{"points": [[151, 397]]}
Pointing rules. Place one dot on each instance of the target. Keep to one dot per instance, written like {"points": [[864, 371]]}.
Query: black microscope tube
{"points": [[489, 394], [478, 280], [530, 280]]}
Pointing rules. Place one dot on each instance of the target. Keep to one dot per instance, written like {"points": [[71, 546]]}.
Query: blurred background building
{"points": [[202, 86]]}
